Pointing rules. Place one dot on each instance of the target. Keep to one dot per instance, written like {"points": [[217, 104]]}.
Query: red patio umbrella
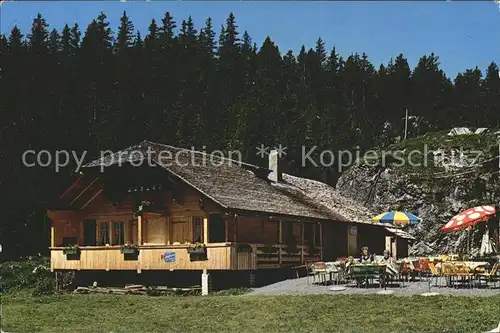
{"points": [[469, 217]]}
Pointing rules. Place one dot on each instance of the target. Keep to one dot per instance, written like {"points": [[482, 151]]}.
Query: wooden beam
{"points": [[314, 237], [71, 187], [321, 239], [84, 190], [111, 235], [139, 230], [56, 215], [236, 219], [52, 234], [302, 242], [205, 230], [167, 230], [226, 227], [93, 197], [280, 239]]}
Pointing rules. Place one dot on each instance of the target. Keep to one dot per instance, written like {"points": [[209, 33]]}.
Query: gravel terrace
{"points": [[301, 287]]}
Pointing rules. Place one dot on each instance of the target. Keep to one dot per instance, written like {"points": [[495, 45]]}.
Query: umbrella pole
{"points": [[468, 241], [396, 246]]}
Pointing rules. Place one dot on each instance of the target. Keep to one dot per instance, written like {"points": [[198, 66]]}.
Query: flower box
{"points": [[197, 250], [129, 250], [71, 250]]}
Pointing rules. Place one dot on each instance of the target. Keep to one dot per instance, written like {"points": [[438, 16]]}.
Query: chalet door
{"points": [[180, 230], [89, 233], [156, 233], [352, 240]]}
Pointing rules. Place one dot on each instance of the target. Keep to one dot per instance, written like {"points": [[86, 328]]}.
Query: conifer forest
{"points": [[193, 84]]}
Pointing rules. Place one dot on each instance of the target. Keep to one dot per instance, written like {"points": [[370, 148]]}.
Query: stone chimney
{"points": [[275, 165]]}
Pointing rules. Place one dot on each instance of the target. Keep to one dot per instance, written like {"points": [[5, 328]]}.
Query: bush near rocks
{"points": [[29, 273]]}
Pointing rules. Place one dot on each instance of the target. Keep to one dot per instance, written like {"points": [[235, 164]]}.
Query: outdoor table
{"points": [[369, 270], [474, 266], [334, 267]]}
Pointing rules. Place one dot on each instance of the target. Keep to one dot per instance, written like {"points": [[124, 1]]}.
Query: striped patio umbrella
{"points": [[396, 218]]}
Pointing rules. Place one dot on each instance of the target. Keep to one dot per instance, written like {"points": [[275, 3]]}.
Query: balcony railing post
{"points": [[139, 229], [280, 240]]}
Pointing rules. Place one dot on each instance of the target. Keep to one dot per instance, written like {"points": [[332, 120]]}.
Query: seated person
{"points": [[366, 256], [391, 267], [387, 259], [349, 262]]}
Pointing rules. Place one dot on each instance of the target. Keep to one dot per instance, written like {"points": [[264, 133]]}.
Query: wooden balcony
{"points": [[220, 256]]}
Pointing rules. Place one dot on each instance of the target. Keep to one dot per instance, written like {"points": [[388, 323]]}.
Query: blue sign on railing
{"points": [[169, 257]]}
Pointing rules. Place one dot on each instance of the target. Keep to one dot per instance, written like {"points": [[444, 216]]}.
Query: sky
{"points": [[464, 34]]}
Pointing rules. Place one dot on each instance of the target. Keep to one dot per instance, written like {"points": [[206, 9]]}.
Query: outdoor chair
{"points": [[434, 274], [448, 272], [391, 274], [464, 274], [416, 269], [318, 270], [424, 266], [490, 276], [404, 271]]}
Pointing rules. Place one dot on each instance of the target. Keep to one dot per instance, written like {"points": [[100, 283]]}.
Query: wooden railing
{"points": [[220, 256], [150, 257], [277, 255]]}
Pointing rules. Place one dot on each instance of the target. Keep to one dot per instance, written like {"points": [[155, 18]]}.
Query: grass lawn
{"points": [[311, 313]]}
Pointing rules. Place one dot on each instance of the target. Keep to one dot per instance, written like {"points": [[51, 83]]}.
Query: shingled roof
{"points": [[236, 185], [229, 183], [329, 198]]}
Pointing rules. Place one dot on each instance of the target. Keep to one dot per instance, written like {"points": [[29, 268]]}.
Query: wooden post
{"points": [[205, 283], [145, 223], [205, 230], [236, 219], [280, 239], [321, 239], [226, 228], [167, 230], [80, 232], [111, 234], [139, 230], [301, 242], [52, 234]]}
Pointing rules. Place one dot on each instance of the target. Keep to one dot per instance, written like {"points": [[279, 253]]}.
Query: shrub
{"points": [[30, 273]]}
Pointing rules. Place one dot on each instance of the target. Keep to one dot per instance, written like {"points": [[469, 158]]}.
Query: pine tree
{"points": [[75, 37], [97, 74], [54, 42], [430, 94], [468, 98], [39, 36], [491, 88], [188, 121], [208, 106], [125, 35], [396, 94]]}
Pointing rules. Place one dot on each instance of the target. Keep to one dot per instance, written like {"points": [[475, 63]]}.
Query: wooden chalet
{"points": [[186, 210]]}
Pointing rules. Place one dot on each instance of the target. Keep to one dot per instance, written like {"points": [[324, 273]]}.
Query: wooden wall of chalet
{"points": [[66, 229], [257, 230], [157, 229]]}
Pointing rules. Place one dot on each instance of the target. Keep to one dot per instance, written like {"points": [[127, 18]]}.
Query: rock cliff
{"points": [[434, 176]]}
